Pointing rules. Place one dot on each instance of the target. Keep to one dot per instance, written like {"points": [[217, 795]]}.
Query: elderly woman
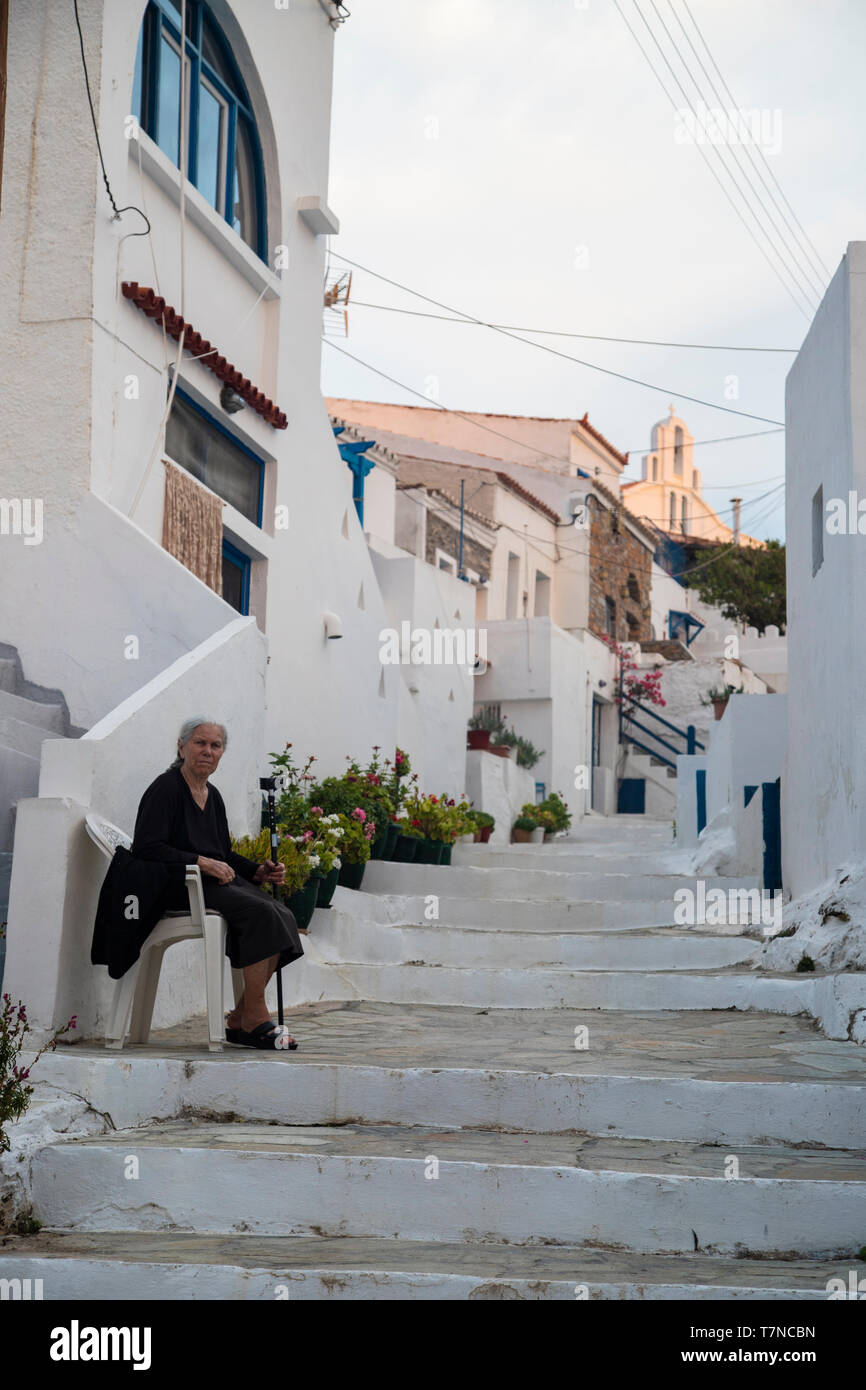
{"points": [[182, 820]]}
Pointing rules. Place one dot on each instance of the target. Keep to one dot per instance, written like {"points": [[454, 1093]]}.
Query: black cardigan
{"points": [[171, 831]]}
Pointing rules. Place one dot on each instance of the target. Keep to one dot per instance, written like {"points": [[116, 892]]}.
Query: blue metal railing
{"points": [[628, 722]]}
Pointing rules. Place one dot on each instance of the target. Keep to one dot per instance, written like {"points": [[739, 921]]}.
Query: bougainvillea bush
{"points": [[15, 1089]]}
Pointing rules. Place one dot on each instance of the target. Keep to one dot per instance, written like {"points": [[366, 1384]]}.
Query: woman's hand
{"points": [[215, 868], [269, 872]]}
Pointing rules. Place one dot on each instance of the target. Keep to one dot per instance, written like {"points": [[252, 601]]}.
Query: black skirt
{"points": [[258, 925]]}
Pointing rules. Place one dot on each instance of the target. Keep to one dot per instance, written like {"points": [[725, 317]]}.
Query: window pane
{"points": [[244, 202], [168, 100], [212, 52], [135, 108], [209, 455], [233, 583], [211, 146]]}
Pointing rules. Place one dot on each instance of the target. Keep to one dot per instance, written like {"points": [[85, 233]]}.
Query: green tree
{"points": [[746, 583]]}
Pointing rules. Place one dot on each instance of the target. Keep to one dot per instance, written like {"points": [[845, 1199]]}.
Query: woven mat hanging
{"points": [[192, 527]]}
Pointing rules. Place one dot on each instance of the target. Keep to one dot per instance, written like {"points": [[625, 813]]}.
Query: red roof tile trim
{"points": [[597, 434], [156, 308]]}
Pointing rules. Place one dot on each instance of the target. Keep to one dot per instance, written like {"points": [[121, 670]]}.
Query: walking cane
{"points": [[268, 785]]}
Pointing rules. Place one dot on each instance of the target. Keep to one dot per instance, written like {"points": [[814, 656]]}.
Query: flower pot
{"points": [[476, 838], [303, 903], [445, 856], [478, 740], [404, 850], [536, 836], [427, 851], [719, 707], [485, 833], [393, 837], [351, 875], [521, 837], [501, 750], [327, 884], [380, 844]]}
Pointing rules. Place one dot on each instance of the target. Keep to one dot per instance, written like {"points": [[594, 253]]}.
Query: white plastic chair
{"points": [[135, 992]]}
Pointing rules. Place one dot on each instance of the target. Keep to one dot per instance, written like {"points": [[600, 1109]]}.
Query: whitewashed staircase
{"points": [[515, 1080]]}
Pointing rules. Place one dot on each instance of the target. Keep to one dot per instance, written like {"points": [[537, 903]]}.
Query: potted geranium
{"points": [[409, 837], [358, 832], [327, 834], [557, 810], [429, 815]]}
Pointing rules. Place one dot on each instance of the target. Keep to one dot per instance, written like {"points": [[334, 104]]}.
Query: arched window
{"points": [[678, 451], [224, 155]]}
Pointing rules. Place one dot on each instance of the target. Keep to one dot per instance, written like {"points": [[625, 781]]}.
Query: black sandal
{"points": [[266, 1037]]}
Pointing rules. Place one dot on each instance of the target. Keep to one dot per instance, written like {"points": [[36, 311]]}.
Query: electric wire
{"points": [[118, 212], [545, 347]]}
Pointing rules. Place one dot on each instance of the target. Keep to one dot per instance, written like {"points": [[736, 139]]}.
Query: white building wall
{"points": [[823, 788]]}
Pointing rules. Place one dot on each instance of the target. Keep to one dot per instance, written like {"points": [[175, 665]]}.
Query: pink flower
{"points": [[308, 835], [358, 814], [316, 811]]}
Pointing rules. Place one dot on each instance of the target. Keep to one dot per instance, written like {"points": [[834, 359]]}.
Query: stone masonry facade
{"points": [[620, 577], [441, 536]]}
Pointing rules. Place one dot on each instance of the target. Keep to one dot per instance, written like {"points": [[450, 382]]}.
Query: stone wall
{"points": [[615, 556], [442, 536]]}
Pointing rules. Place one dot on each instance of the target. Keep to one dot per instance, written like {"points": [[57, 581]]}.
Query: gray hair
{"points": [[188, 728]]}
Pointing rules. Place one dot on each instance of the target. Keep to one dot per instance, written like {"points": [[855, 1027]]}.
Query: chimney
{"points": [[735, 503]]}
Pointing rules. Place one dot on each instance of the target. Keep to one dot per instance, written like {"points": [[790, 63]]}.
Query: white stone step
{"points": [[20, 737], [178, 1266], [422, 1184], [338, 939], [530, 884], [726, 1078], [513, 914], [47, 716]]}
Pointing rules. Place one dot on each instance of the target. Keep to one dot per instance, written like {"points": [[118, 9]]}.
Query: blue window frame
{"points": [[236, 577], [201, 445], [224, 152]]}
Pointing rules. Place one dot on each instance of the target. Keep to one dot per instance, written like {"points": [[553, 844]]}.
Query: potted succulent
{"points": [[521, 831], [358, 832], [719, 696], [484, 824]]}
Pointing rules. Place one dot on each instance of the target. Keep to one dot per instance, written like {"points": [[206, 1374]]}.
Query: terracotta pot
{"points": [[478, 739], [521, 837], [719, 707], [485, 833], [500, 749]]}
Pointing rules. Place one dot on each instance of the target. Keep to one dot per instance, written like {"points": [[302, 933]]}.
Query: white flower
{"points": [[314, 861], [337, 864]]}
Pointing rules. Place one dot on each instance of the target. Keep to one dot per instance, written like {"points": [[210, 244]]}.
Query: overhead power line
{"points": [[561, 333], [544, 347], [806, 311]]}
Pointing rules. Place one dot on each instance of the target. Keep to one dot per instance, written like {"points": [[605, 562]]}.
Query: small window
{"points": [[673, 511], [655, 469], [446, 562], [683, 515], [213, 456], [633, 588], [818, 530], [236, 577], [610, 617], [542, 595], [678, 451]]}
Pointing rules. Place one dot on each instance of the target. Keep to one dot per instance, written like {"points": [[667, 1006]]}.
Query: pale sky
{"points": [[519, 162]]}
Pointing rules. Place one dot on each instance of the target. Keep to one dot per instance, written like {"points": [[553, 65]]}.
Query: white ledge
{"points": [[318, 216], [199, 211]]}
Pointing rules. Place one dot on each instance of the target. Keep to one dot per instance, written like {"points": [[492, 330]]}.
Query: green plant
{"points": [[525, 823], [481, 819], [527, 754], [721, 692], [430, 815], [15, 1092], [297, 860], [746, 582], [358, 832], [292, 806], [487, 718], [559, 810], [805, 963]]}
